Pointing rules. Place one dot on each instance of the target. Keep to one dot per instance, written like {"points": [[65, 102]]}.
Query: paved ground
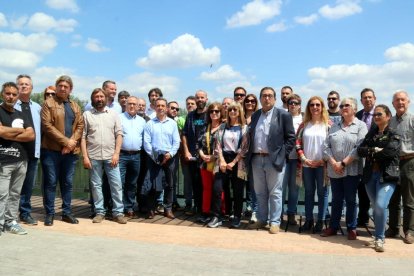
{"points": [[154, 249]]}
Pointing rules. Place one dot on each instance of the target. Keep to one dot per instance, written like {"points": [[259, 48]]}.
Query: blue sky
{"points": [[214, 45]]}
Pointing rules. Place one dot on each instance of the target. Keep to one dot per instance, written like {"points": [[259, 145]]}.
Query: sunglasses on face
{"points": [[48, 94], [344, 105], [233, 109], [378, 114], [315, 105], [250, 101], [332, 99], [215, 111], [293, 103], [175, 108], [239, 95]]}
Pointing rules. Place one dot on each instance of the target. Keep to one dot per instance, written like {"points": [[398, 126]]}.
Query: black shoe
{"points": [[362, 223], [235, 223], [308, 225], [392, 233], [49, 220], [69, 218], [318, 226], [28, 220], [203, 218]]}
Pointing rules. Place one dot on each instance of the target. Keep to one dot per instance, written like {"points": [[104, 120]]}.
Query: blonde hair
{"points": [[241, 119], [324, 112]]}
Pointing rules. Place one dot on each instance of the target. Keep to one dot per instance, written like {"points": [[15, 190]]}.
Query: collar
{"points": [[93, 110]]}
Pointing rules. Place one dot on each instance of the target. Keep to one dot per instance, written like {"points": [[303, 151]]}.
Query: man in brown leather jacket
{"points": [[62, 126]]}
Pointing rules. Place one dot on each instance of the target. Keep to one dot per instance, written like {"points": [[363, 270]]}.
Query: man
{"points": [[272, 138], [15, 128], [403, 122], [130, 157], [141, 107], [32, 111], [110, 88], [239, 94], [62, 127], [366, 115], [172, 112], [122, 99], [226, 102], [334, 112], [153, 95], [101, 145], [161, 143], [194, 128], [285, 92]]}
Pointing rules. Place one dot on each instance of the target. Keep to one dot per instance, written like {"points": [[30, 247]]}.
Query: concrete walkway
{"points": [[151, 249]]}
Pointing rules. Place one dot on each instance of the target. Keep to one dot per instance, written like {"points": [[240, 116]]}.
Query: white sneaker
{"points": [[14, 228], [253, 218], [379, 245]]}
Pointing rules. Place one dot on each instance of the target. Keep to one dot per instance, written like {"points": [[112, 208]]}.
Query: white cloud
{"points": [[224, 73], [94, 45], [254, 13], [343, 8], [184, 51], [401, 52], [41, 22], [76, 40], [37, 42], [18, 59], [306, 20], [226, 90], [3, 20], [63, 5], [277, 27], [139, 84]]}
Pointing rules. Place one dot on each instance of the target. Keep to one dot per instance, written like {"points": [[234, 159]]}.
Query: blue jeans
{"points": [[25, 207], [253, 197], [379, 194], [344, 188], [57, 167], [129, 167], [289, 183], [268, 187], [115, 184], [313, 179]]}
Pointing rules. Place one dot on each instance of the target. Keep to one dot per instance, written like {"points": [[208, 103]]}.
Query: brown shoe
{"points": [[408, 238], [352, 235], [98, 218], [329, 232], [151, 214], [169, 214], [292, 220], [121, 219]]}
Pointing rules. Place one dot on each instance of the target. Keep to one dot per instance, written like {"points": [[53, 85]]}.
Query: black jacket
{"points": [[388, 158]]}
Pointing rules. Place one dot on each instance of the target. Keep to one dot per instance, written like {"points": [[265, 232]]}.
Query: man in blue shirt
{"points": [[130, 156], [161, 143]]}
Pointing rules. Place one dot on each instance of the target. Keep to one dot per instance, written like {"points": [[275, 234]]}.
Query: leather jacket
{"points": [[388, 159], [53, 125]]}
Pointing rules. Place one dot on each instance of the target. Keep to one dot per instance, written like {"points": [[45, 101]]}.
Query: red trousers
{"points": [[207, 179]]}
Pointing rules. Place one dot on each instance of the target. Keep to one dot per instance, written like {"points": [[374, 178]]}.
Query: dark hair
{"points": [[239, 87], [162, 99], [386, 109], [365, 90], [255, 98], [96, 91], [286, 87], [219, 107], [8, 84], [156, 90], [333, 92], [105, 83], [171, 103], [268, 88], [123, 93], [192, 98]]}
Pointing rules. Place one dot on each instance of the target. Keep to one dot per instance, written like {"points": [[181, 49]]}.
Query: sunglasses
{"points": [[214, 111], [175, 108], [315, 105], [332, 99], [233, 109], [293, 103], [344, 105], [250, 101], [48, 94], [378, 114], [239, 95]]}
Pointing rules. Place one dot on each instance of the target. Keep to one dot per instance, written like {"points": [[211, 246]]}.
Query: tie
{"points": [[366, 119]]}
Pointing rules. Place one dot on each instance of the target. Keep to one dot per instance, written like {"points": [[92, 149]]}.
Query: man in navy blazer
{"points": [[272, 137]]}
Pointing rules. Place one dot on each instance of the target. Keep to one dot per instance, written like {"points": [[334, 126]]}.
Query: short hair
{"points": [[162, 99], [267, 88], [23, 76], [192, 98], [133, 97], [287, 87], [295, 97], [123, 93], [96, 91], [365, 90], [105, 83], [8, 84], [398, 92], [239, 87], [172, 102], [353, 101], [210, 107], [65, 78], [333, 92], [157, 91]]}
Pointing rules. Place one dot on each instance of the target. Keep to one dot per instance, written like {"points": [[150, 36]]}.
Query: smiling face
{"points": [[347, 108], [400, 102], [315, 108], [250, 104], [294, 106], [381, 117], [173, 109], [161, 108], [368, 100]]}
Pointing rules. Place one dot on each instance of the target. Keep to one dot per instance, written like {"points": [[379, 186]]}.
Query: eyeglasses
{"points": [[378, 114], [344, 105], [175, 108], [332, 99], [293, 103], [315, 105], [48, 94], [250, 101], [239, 95], [233, 109], [214, 111]]}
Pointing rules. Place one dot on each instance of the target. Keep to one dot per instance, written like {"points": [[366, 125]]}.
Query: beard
{"points": [[332, 105], [201, 105], [98, 104]]}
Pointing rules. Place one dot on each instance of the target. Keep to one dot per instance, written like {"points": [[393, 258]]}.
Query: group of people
{"points": [[228, 151]]}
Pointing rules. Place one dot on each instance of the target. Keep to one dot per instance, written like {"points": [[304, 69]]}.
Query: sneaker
{"points": [[214, 222], [379, 245], [28, 220], [235, 223], [15, 228], [408, 238], [253, 218], [274, 229], [160, 209], [392, 233], [98, 218], [292, 219], [121, 219]]}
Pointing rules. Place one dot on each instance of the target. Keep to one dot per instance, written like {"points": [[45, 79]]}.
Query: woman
{"points": [[381, 149], [311, 136], [344, 166], [231, 147], [49, 91], [289, 181], [250, 106], [206, 152]]}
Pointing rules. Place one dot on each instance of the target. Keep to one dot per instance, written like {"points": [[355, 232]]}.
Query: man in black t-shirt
{"points": [[15, 128]]}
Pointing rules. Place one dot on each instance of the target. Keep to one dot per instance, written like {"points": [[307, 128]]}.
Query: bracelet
{"points": [[343, 164]]}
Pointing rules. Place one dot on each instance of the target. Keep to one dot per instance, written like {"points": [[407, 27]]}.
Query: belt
{"points": [[260, 153], [130, 152], [407, 157]]}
